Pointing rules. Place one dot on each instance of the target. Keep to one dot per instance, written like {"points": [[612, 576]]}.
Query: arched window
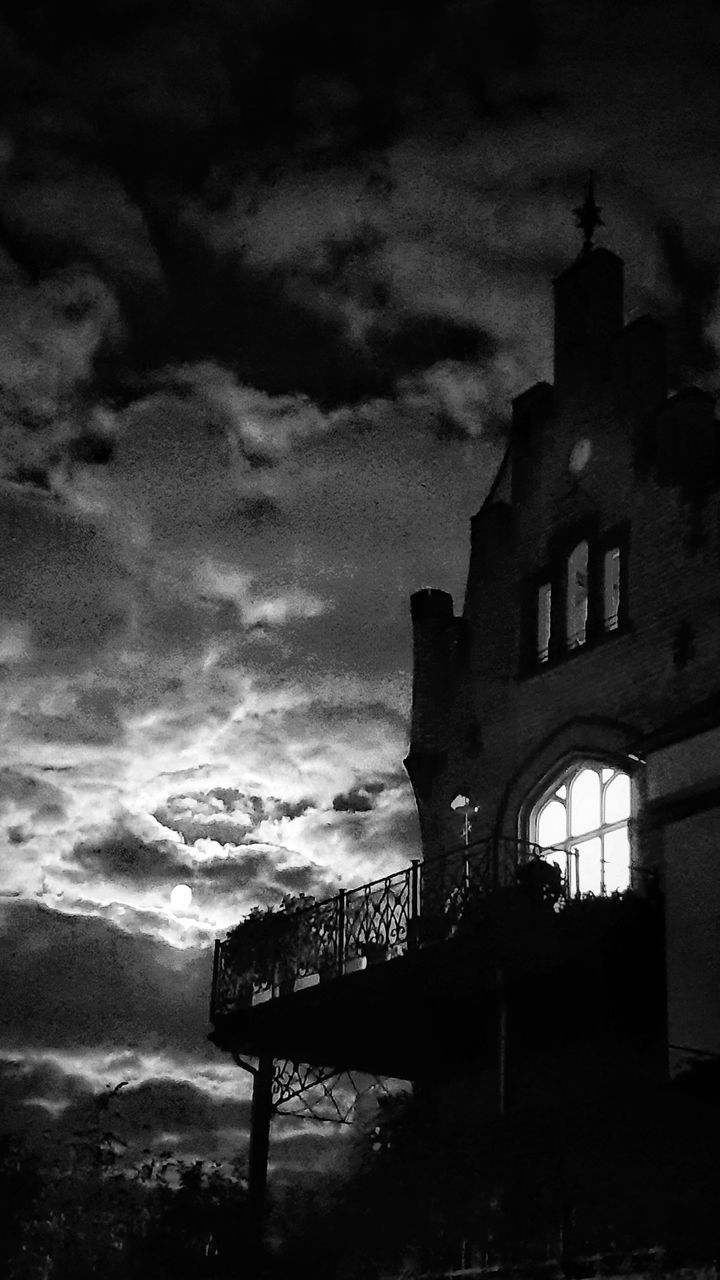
{"points": [[583, 820]]}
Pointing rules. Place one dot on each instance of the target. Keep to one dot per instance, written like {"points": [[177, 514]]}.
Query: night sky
{"points": [[271, 271]]}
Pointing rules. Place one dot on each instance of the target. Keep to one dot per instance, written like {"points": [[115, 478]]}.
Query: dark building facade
{"points": [[574, 702]]}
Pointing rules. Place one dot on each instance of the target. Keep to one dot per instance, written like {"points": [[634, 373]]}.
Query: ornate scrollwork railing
{"points": [[266, 955], [377, 918]]}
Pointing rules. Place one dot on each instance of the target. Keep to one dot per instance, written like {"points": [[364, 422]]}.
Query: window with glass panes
{"points": [[544, 621], [611, 589], [582, 820], [577, 596]]}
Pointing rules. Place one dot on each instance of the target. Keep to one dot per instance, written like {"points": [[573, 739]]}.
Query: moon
{"points": [[181, 897]]}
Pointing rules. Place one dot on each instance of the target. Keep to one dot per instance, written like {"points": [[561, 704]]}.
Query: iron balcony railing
{"points": [[271, 954]]}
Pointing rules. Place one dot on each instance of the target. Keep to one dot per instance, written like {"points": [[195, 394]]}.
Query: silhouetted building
{"points": [[554, 958], [575, 701]]}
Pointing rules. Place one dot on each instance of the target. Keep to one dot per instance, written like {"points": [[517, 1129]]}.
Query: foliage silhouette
{"points": [[94, 1206]]}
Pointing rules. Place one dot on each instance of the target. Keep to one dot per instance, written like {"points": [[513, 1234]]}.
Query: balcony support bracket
{"points": [[329, 1093]]}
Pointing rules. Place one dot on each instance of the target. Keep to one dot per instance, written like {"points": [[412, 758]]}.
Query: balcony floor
{"points": [[596, 963]]}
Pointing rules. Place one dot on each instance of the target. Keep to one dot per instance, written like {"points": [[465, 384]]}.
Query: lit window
{"points": [[611, 589], [582, 824], [544, 611], [577, 596]]}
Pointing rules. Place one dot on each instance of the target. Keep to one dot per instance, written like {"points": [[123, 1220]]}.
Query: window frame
{"points": [[617, 536], [566, 776], [544, 586], [572, 638], [554, 572]]}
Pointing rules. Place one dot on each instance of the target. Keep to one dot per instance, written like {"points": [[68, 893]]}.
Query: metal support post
{"points": [[216, 973], [466, 878], [341, 934], [502, 1042], [260, 1131], [414, 922], [495, 861]]}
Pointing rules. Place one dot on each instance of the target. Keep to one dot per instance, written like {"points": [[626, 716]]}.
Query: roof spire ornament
{"points": [[587, 215]]}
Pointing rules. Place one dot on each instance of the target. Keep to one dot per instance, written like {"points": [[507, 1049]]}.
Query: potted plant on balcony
{"points": [[272, 945], [253, 948], [295, 940], [373, 950], [541, 881]]}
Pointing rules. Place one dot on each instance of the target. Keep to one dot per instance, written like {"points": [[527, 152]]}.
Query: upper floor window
{"points": [[544, 621], [582, 820], [581, 595], [611, 589], [576, 597]]}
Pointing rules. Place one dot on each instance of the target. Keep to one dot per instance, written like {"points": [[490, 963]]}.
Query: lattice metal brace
{"points": [[325, 1093]]}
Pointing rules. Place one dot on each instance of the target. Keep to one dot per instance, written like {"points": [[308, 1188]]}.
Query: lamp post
{"points": [[461, 804]]}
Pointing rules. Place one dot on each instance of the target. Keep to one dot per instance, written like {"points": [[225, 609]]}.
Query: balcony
{"points": [[377, 977], [273, 954]]}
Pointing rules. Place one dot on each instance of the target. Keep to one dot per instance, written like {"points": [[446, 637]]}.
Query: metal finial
{"points": [[587, 215]]}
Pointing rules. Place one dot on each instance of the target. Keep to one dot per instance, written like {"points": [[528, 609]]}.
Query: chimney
{"points": [[433, 639]]}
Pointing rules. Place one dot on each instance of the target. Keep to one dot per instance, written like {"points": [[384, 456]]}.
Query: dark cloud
{"points": [[277, 335], [146, 1113], [31, 805], [34, 1092], [347, 265], [259, 512], [94, 718], [288, 808], [694, 276], [151, 921], [422, 341], [324, 717], [172, 107], [78, 983], [92, 449], [28, 792], [34, 477], [224, 830], [249, 321], [350, 74], [397, 829], [360, 799], [230, 798], [242, 869], [55, 1107], [127, 859], [62, 580], [264, 875], [308, 879], [247, 867]]}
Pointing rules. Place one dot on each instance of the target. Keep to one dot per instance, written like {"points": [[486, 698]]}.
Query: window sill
{"points": [[555, 661]]}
